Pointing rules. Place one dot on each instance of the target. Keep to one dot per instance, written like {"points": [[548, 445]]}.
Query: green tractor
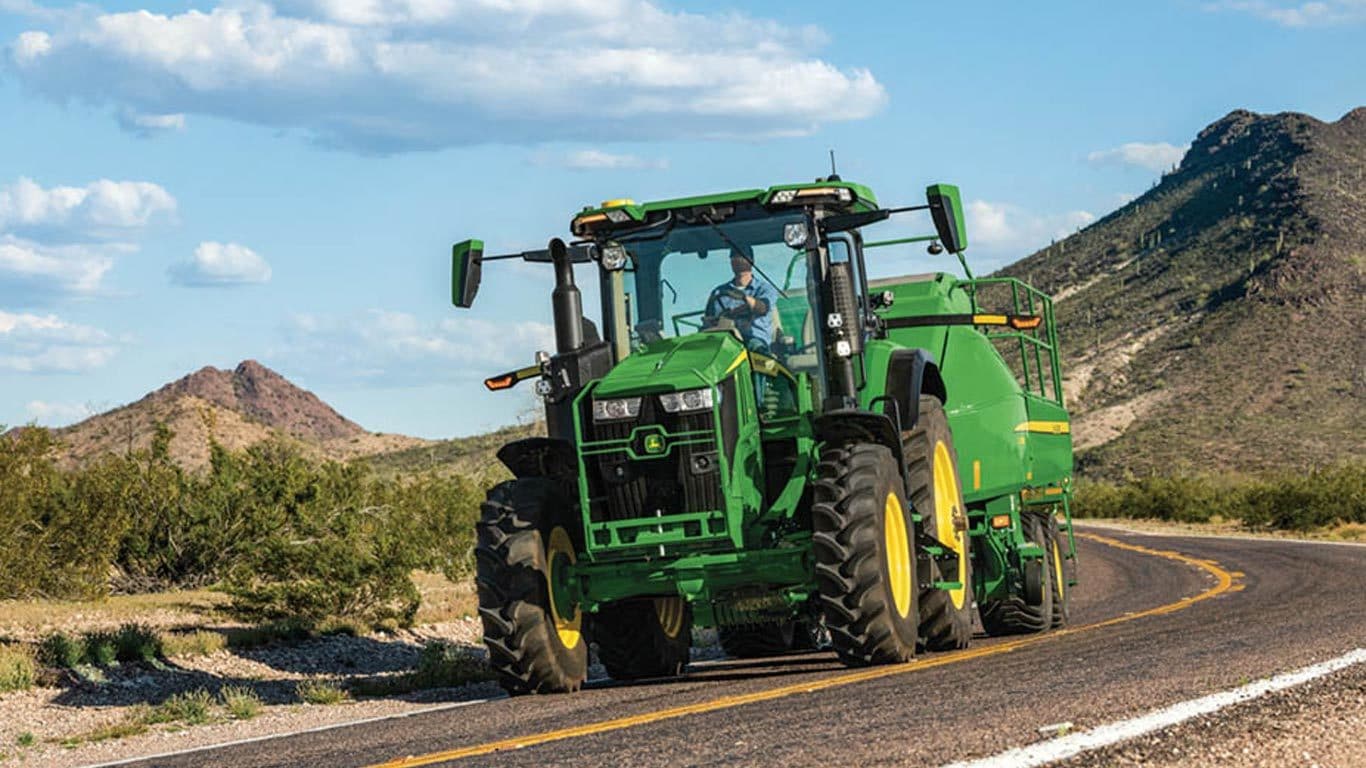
{"points": [[757, 437]]}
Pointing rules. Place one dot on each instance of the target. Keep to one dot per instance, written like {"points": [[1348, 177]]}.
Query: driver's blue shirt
{"points": [[754, 329]]}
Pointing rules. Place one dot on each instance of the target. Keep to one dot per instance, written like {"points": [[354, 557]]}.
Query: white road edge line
{"points": [[318, 729], [1113, 733]]}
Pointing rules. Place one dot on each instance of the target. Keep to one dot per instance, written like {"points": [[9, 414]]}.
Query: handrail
{"points": [[1026, 299]]}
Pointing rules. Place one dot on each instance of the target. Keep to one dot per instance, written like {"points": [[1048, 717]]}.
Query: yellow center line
{"points": [[1224, 582]]}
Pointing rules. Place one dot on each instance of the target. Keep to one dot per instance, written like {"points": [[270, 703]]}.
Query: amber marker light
{"points": [[1000, 521]]}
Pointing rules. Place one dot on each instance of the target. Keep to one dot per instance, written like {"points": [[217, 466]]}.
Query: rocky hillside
{"points": [[1218, 322], [236, 408]]}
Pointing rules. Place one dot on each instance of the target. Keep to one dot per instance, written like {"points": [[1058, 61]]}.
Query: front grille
{"points": [[688, 479]]}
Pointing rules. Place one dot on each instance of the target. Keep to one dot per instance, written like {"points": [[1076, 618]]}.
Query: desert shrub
{"points": [[241, 703], [315, 691], [101, 647], [1291, 501], [192, 707], [443, 664], [18, 669], [137, 642], [59, 649], [284, 631]]}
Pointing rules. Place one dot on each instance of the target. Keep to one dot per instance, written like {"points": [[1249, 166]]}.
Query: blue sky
{"points": [[190, 184]]}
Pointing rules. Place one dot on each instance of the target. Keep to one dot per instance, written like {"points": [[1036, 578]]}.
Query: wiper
{"points": [[737, 249], [666, 223]]}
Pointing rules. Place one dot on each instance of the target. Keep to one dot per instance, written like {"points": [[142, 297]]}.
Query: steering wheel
{"points": [[693, 320]]}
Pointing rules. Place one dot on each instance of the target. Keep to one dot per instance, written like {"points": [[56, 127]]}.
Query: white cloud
{"points": [[598, 160], [32, 343], [217, 264], [99, 207], [55, 268], [1319, 13], [392, 348], [1007, 228], [378, 76], [1156, 156], [147, 126], [57, 414]]}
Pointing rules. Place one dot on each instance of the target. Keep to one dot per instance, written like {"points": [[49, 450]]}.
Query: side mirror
{"points": [[947, 209], [466, 260]]}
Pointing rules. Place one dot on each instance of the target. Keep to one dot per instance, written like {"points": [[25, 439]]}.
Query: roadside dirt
{"points": [[1320, 723]]}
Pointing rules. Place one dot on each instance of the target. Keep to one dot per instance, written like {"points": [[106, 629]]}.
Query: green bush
{"points": [[101, 647], [137, 642], [1305, 501], [290, 538], [191, 707], [61, 650], [241, 703], [321, 692]]}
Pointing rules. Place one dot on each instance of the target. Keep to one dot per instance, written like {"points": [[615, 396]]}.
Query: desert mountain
{"points": [[1218, 321], [237, 408]]}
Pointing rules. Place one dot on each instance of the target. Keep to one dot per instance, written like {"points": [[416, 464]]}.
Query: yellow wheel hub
{"points": [[671, 612], [560, 548], [948, 511], [897, 546]]}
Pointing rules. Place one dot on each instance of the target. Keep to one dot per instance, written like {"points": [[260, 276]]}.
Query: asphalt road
{"points": [[1148, 629]]}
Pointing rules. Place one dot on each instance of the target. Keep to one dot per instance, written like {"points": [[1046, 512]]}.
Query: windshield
{"points": [[732, 274]]}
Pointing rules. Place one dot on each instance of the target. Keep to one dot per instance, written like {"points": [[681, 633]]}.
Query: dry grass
{"points": [[241, 703], [321, 692], [32, 618], [188, 644], [444, 600]]}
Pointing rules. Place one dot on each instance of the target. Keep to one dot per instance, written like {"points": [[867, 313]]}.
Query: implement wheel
{"points": [[644, 637], [1057, 570], [865, 555], [932, 472], [1014, 615], [533, 633]]}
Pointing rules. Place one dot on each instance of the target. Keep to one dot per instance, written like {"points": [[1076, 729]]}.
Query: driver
{"points": [[746, 301]]}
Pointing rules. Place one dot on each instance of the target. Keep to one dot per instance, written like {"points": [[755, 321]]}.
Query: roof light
{"points": [[617, 203]]}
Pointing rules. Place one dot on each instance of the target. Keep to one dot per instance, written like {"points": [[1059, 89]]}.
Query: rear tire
{"points": [[936, 493], [865, 555], [644, 637], [1012, 615], [533, 648]]}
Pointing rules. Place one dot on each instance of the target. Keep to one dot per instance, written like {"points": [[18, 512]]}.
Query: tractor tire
{"points": [[937, 494], [643, 637], [520, 539], [1057, 571], [865, 555], [1013, 615], [754, 641]]}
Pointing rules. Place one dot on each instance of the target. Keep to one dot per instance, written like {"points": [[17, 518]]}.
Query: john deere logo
{"points": [[654, 444]]}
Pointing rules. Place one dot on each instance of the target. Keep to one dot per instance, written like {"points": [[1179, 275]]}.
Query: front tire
{"points": [[535, 644], [865, 555], [936, 493]]}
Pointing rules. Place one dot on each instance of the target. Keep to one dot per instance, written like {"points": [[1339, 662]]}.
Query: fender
{"points": [[540, 457], [911, 373]]}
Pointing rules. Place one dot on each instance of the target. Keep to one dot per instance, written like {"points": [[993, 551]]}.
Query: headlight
{"points": [[687, 400], [783, 196], [794, 234], [613, 258], [611, 410]]}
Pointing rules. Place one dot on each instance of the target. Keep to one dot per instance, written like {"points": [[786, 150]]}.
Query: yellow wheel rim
{"points": [[948, 507], [671, 612], [896, 545], [570, 630], [1057, 569]]}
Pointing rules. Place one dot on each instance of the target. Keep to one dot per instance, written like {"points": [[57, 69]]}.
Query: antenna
{"points": [[834, 175]]}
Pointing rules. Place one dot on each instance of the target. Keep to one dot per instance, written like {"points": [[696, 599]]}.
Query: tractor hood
{"points": [[686, 362]]}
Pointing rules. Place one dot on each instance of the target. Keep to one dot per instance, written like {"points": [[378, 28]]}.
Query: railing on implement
{"points": [[1039, 345]]}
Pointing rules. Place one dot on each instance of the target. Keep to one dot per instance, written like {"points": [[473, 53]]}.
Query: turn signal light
{"points": [[500, 382], [1025, 322], [1000, 521]]}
